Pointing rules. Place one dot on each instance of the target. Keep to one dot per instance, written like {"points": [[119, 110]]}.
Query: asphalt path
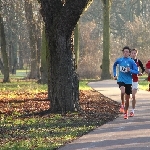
{"points": [[119, 134]]}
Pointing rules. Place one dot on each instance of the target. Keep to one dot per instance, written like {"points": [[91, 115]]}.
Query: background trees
{"points": [[26, 47], [127, 27], [21, 35], [126, 18]]}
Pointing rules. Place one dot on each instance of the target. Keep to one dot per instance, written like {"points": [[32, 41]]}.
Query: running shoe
{"points": [[131, 114], [122, 109], [125, 116]]}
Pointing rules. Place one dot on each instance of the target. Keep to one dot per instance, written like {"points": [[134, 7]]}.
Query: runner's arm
{"points": [[134, 69], [141, 65], [114, 68]]}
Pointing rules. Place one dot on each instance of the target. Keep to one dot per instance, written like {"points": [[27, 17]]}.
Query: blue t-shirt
{"points": [[124, 75]]}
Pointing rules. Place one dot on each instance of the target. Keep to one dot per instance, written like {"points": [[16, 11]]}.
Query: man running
{"points": [[127, 67], [133, 55], [147, 70]]}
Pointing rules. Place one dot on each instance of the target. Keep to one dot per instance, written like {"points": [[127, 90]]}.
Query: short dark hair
{"points": [[126, 47], [134, 50]]}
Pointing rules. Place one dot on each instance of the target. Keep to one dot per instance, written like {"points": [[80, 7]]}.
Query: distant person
{"points": [[127, 67], [135, 78], [147, 69]]}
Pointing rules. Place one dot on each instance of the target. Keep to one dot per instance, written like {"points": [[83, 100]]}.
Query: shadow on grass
{"points": [[39, 128]]}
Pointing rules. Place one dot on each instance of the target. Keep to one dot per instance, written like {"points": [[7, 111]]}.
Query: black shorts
{"points": [[128, 89]]}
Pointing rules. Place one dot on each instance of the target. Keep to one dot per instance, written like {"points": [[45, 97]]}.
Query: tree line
{"points": [[46, 36]]}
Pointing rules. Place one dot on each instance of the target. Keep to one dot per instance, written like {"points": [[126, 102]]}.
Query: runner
{"points": [[133, 55], [127, 67], [147, 70]]}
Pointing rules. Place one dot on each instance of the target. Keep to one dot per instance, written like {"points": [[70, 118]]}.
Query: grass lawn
{"points": [[42, 133], [143, 83]]}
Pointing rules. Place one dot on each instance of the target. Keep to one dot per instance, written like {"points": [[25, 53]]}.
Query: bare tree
{"points": [[3, 48], [34, 73], [106, 40]]}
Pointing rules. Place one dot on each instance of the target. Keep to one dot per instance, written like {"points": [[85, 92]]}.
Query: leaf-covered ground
{"points": [[91, 102], [50, 131], [23, 102]]}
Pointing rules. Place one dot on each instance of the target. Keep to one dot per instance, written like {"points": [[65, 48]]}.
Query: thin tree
{"points": [[76, 44], [34, 74], [43, 68], [106, 40], [3, 48]]}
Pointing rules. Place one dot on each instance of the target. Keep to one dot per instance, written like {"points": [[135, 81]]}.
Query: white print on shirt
{"points": [[123, 69]]}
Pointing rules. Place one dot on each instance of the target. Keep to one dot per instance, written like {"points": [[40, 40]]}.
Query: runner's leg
{"points": [[122, 89], [127, 97], [134, 91]]}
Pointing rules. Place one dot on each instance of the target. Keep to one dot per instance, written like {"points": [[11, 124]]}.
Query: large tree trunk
{"points": [[60, 20], [106, 40], [61, 75], [3, 49]]}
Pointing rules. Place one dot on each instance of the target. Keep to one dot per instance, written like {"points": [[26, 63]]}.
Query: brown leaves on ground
{"points": [[93, 104], [23, 102], [98, 106]]}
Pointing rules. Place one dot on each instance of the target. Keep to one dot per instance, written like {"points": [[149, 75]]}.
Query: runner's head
{"points": [[126, 51], [134, 53]]}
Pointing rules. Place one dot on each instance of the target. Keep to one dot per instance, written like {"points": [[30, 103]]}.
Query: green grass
{"points": [[19, 74], [40, 133], [30, 85], [143, 84], [83, 85], [23, 85]]}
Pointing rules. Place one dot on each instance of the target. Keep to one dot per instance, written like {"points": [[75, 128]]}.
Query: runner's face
{"points": [[126, 53], [133, 54]]}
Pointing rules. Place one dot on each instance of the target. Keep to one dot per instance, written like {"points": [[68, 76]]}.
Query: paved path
{"points": [[119, 134]]}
